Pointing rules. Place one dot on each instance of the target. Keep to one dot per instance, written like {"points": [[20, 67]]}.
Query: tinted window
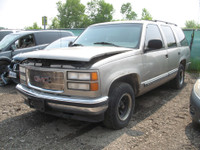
{"points": [[152, 33], [168, 33], [122, 35], [24, 42], [181, 36]]}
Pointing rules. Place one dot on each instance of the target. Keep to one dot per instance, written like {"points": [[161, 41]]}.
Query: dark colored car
{"points": [[3, 33], [195, 103], [14, 66], [25, 41]]}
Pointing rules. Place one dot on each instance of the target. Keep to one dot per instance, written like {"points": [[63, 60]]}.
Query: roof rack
{"points": [[164, 22]]}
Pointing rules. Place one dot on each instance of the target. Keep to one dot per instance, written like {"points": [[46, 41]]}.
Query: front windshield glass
{"points": [[7, 40], [120, 35]]}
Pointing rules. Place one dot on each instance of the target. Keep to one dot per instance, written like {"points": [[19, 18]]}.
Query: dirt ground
{"points": [[161, 121]]}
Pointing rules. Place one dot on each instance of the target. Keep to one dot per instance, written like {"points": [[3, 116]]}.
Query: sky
{"points": [[17, 14]]}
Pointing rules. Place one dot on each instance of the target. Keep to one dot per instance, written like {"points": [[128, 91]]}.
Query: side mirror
{"points": [[155, 44], [70, 44]]}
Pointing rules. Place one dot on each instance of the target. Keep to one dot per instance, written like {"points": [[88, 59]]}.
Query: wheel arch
{"points": [[131, 79]]}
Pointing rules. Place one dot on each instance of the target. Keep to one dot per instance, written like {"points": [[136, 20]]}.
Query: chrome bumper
{"points": [[58, 102]]}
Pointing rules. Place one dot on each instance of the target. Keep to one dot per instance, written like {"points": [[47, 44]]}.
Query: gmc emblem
{"points": [[42, 79]]}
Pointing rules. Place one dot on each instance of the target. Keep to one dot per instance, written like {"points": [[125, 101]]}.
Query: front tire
{"points": [[121, 106]]}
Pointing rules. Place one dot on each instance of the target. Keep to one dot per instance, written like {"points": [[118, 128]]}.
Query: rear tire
{"points": [[178, 81], [121, 106]]}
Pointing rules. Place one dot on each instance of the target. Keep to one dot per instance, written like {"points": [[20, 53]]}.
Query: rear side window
{"points": [[152, 33], [169, 35], [181, 36]]}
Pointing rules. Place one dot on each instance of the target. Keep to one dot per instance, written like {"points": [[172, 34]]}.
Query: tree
{"points": [[128, 14], [55, 23], [99, 11], [146, 15], [191, 24], [34, 27], [71, 14]]}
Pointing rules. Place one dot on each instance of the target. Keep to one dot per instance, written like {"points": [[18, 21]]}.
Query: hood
{"points": [[85, 54]]}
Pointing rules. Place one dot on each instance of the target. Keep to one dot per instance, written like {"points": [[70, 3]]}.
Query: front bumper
{"points": [[195, 107], [51, 103]]}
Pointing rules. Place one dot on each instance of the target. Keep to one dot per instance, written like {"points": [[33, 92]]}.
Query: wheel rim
{"points": [[124, 106], [181, 77]]}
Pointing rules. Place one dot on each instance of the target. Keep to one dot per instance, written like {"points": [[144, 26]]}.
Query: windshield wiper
{"points": [[76, 45], [106, 43]]}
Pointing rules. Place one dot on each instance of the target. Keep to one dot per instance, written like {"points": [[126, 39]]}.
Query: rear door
{"points": [[173, 50]]}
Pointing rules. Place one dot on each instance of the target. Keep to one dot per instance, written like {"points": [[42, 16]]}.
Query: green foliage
{"points": [[34, 27], [99, 11], [146, 15], [55, 23], [126, 10], [191, 24], [71, 14]]}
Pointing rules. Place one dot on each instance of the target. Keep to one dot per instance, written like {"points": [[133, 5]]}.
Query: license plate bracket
{"points": [[37, 104]]}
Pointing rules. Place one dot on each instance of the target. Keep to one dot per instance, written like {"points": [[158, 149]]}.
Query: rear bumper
{"points": [[50, 103]]}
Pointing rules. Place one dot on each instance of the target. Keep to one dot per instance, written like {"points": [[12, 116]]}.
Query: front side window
{"points": [[121, 35], [24, 42], [168, 33], [152, 33]]}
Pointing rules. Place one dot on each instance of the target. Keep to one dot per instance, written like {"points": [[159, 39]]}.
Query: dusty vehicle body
{"points": [[22, 42], [98, 78]]}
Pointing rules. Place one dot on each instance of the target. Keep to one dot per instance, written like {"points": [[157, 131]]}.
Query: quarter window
{"points": [[171, 42], [181, 36]]}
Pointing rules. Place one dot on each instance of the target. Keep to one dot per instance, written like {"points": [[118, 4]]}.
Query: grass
{"points": [[194, 66]]}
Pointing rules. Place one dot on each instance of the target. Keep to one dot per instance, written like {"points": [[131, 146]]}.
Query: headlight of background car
{"points": [[197, 88]]}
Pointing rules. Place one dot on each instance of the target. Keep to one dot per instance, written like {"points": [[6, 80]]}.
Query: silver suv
{"points": [[99, 76]]}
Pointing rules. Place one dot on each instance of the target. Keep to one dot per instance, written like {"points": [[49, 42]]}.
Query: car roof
{"points": [[136, 21]]}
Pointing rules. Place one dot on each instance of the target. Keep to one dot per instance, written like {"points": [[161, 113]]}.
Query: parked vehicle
{"points": [[3, 33], [14, 66], [22, 42], [195, 103], [109, 64]]}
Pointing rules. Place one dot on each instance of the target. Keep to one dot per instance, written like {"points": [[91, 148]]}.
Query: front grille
{"points": [[49, 80]]}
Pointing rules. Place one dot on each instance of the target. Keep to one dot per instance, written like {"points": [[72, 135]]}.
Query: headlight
{"points": [[197, 88], [22, 75], [83, 86], [84, 76]]}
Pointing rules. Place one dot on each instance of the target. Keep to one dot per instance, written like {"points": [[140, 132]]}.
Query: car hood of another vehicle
{"points": [[74, 53]]}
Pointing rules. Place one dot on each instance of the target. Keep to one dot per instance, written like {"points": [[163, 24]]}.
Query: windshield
{"points": [[120, 35], [7, 40]]}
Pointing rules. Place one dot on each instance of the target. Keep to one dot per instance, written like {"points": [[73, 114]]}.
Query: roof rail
{"points": [[164, 22]]}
